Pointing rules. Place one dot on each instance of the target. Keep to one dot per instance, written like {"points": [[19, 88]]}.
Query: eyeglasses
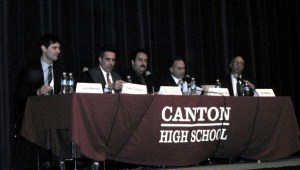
{"points": [[237, 63]]}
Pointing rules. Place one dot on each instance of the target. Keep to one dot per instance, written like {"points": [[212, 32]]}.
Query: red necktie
{"points": [[107, 78]]}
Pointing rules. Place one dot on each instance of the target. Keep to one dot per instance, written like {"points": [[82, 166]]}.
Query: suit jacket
{"points": [[31, 78], [168, 81], [150, 82], [227, 83], [96, 76]]}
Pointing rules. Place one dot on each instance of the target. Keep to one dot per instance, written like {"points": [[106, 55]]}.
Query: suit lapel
{"points": [[114, 77], [230, 88], [40, 68], [101, 77], [57, 75], [172, 81]]}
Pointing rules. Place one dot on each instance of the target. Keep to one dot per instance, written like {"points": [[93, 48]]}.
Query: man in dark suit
{"points": [[236, 77], [40, 77], [177, 73], [111, 81], [138, 72]]}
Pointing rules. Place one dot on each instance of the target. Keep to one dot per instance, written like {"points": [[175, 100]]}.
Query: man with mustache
{"points": [[137, 73], [111, 81]]}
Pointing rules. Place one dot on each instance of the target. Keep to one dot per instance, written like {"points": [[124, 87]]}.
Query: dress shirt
{"points": [[233, 82], [105, 77], [175, 79], [45, 73]]}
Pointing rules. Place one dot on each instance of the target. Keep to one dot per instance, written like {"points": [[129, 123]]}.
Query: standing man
{"points": [[236, 78], [138, 72], [111, 81], [177, 73]]}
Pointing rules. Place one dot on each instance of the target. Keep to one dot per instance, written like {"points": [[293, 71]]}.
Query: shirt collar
{"points": [[45, 65], [175, 79], [233, 77], [104, 72]]}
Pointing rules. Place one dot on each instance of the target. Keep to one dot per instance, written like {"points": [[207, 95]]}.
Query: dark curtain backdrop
{"points": [[207, 33]]}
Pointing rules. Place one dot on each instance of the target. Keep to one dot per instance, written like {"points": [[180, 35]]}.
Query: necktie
{"points": [[107, 78], [180, 84], [49, 75], [143, 80], [238, 88]]}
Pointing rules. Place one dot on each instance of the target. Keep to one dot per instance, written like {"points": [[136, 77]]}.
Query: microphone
{"points": [[188, 79], [85, 69], [86, 75], [149, 75]]}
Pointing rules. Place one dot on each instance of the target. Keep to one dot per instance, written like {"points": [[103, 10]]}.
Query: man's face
{"points": [[237, 65], [178, 69], [51, 53], [140, 63], [108, 61]]}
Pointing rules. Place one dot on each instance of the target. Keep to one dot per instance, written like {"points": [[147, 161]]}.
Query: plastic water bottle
{"points": [[193, 86], [63, 83], [129, 79], [218, 84], [180, 84], [71, 83], [242, 90], [246, 89]]}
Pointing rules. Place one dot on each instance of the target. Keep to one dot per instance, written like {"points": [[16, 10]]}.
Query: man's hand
{"points": [[252, 86], [44, 90], [117, 85]]}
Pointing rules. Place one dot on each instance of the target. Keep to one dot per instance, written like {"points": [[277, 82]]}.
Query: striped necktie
{"points": [[49, 75]]}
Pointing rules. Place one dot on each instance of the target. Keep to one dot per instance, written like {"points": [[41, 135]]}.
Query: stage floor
{"points": [[292, 162]]}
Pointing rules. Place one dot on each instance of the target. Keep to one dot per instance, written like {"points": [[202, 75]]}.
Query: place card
{"points": [[264, 93], [170, 90], [89, 88], [218, 92], [131, 88]]}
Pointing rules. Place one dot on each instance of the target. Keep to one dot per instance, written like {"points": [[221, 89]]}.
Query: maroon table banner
{"points": [[164, 130]]}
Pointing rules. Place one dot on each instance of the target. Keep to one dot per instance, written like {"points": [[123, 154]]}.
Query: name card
{"points": [[130, 88], [218, 92], [89, 88], [170, 90], [264, 93]]}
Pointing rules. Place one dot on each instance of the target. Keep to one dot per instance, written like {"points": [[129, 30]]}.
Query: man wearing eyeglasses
{"points": [[236, 78]]}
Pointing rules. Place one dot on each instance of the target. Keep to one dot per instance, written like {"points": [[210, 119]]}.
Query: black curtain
{"points": [[206, 33]]}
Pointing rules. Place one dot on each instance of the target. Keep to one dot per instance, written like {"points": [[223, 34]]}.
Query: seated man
{"points": [[236, 78], [177, 73], [39, 78], [138, 72], [111, 81]]}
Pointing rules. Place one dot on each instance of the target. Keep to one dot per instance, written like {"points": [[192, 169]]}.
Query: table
{"points": [[164, 130]]}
